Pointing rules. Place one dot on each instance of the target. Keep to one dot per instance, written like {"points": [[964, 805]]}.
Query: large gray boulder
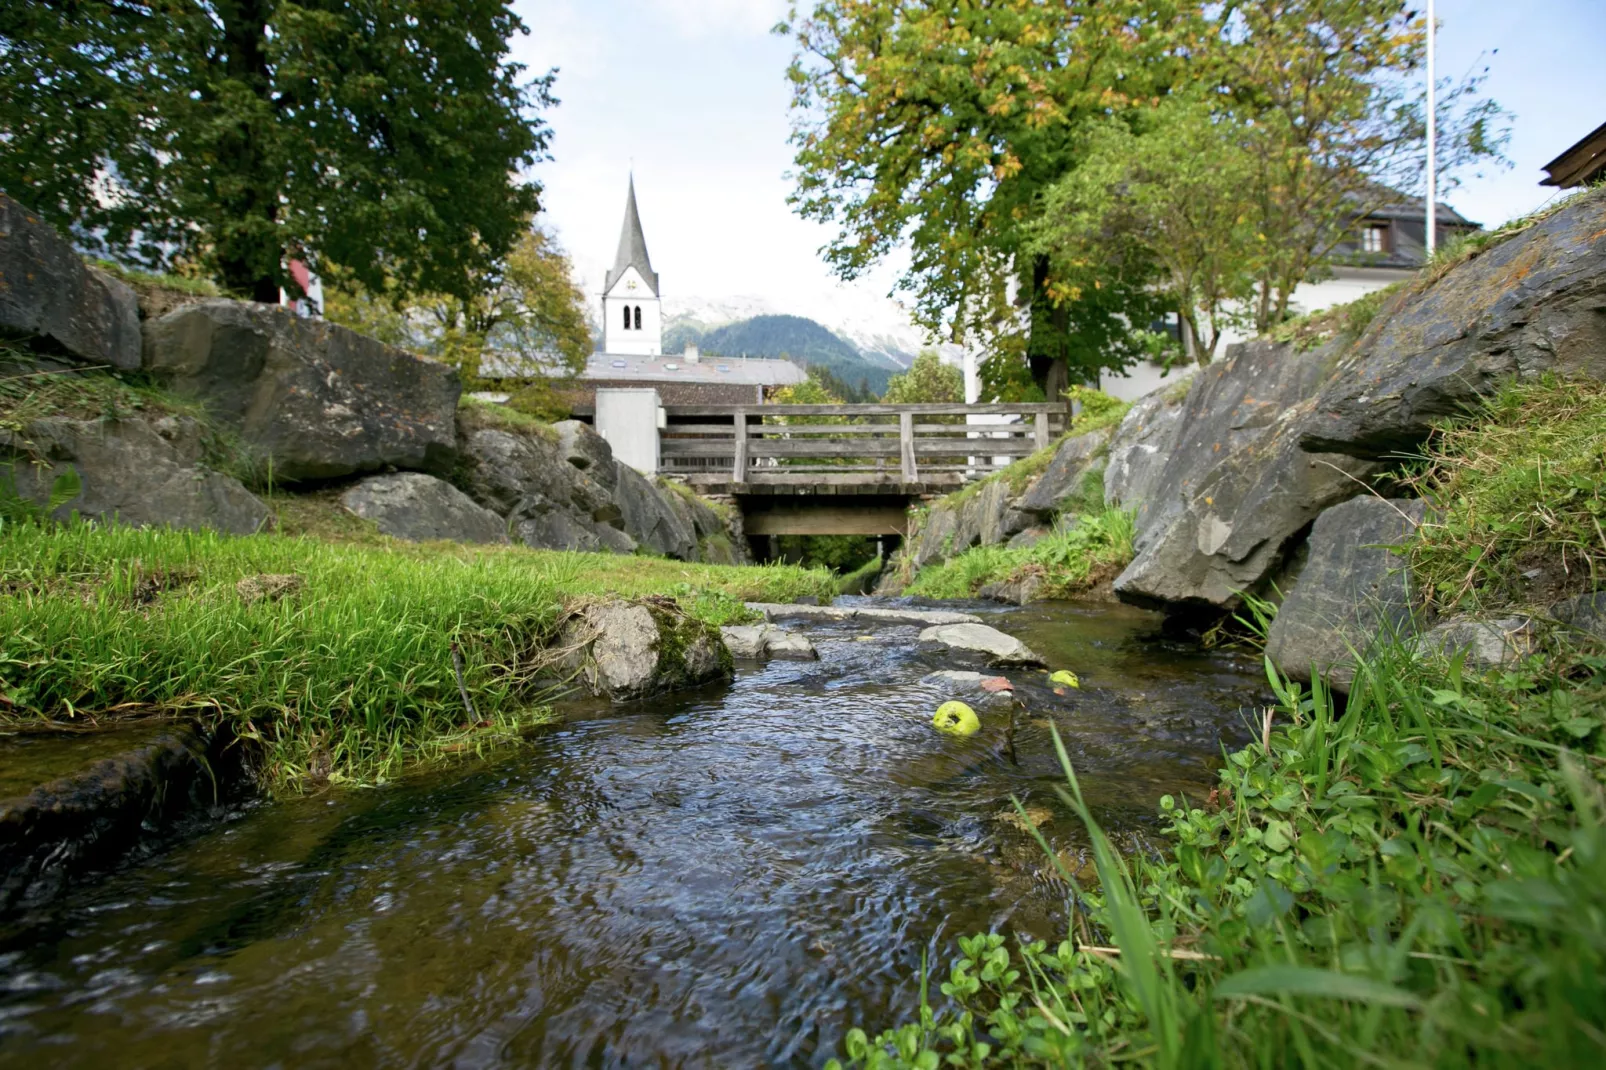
{"points": [[1141, 447], [582, 447], [145, 474], [55, 303], [1531, 304], [419, 507], [627, 650], [1351, 592], [1063, 484], [655, 518], [1236, 487], [321, 400]]}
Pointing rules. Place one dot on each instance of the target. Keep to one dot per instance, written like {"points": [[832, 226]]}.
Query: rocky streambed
{"points": [[723, 876]]}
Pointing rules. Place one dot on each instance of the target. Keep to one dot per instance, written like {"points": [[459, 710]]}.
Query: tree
{"points": [[941, 123], [928, 379], [378, 135], [1178, 191], [526, 313]]}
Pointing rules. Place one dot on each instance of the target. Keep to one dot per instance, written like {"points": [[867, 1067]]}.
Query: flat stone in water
{"points": [[997, 647]]}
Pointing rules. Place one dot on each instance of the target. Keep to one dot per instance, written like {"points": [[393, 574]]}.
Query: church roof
{"points": [[632, 248]]}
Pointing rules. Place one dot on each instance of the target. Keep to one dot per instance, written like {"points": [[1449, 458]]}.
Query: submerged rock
{"points": [[321, 400], [755, 642], [627, 650], [1351, 593], [997, 647], [56, 303], [418, 508]]}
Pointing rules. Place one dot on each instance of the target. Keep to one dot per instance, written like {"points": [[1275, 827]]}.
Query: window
{"points": [[627, 317], [638, 317], [1375, 238]]}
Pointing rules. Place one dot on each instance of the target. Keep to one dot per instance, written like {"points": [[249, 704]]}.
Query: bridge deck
{"points": [[841, 450]]}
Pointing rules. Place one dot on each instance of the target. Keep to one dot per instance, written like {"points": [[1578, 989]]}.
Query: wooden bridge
{"points": [[845, 469]]}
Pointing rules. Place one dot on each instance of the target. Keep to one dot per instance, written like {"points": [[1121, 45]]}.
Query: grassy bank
{"points": [[348, 674], [1412, 876]]}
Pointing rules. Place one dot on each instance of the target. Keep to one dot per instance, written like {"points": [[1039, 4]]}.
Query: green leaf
{"points": [[1309, 981]]}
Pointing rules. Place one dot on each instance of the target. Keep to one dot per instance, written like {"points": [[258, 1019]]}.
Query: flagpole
{"points": [[1433, 123]]}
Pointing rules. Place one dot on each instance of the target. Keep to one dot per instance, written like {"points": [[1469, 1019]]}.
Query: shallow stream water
{"points": [[731, 877]]}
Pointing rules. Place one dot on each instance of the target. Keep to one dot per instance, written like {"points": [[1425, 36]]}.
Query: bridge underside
{"points": [[784, 503]]}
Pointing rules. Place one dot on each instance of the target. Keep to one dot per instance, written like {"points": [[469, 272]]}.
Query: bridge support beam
{"points": [[821, 515]]}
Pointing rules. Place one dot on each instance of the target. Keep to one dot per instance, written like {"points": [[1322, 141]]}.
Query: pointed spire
{"points": [[632, 247]]}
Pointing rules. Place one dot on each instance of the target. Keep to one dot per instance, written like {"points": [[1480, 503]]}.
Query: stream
{"points": [[727, 877]]}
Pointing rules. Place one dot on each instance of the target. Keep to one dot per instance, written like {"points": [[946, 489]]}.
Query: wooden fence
{"points": [[852, 443]]}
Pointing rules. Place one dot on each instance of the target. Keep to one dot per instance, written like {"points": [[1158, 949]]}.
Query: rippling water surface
{"points": [[726, 878]]}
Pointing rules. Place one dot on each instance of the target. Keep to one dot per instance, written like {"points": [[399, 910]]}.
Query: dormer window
{"points": [[1375, 238]]}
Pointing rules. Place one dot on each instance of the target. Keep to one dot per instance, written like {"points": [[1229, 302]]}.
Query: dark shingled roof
{"points": [[632, 248]]}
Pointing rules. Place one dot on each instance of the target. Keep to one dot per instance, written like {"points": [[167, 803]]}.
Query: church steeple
{"points": [[632, 248], [632, 320]]}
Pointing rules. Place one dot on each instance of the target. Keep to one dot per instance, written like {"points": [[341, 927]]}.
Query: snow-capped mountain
{"points": [[878, 327]]}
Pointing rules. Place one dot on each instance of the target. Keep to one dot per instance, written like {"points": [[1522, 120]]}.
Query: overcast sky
{"points": [[692, 94]]}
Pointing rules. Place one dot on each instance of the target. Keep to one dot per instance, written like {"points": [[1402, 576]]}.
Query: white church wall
{"points": [[631, 291]]}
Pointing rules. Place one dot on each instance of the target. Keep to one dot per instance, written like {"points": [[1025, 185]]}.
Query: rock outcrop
{"points": [[1062, 488], [319, 400], [1531, 304], [1236, 487], [628, 650], [142, 473], [1142, 445], [58, 305], [1352, 591], [419, 508]]}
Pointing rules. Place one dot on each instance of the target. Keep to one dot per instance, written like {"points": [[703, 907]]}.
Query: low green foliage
{"points": [[1347, 321], [1415, 878], [1521, 487], [474, 415], [349, 674], [1071, 559], [1096, 411], [159, 280]]}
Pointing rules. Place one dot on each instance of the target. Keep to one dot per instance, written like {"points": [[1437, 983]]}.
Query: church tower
{"points": [[632, 323]]}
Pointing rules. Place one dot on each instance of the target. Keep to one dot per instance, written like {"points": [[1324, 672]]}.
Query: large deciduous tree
{"points": [[381, 135], [940, 123]]}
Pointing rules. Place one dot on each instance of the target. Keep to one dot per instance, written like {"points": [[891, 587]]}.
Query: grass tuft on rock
{"points": [[476, 414], [1073, 559], [347, 676], [1518, 495]]}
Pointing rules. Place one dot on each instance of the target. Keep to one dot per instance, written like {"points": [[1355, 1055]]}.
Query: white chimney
{"points": [[692, 356]]}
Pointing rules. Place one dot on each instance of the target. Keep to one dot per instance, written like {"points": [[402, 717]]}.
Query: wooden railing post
{"points": [[739, 468], [906, 446], [1042, 430]]}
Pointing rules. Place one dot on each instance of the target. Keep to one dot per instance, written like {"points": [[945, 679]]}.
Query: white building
{"points": [[632, 317], [1388, 246]]}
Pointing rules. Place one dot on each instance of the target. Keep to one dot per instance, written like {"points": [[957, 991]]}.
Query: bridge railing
{"points": [[853, 443]]}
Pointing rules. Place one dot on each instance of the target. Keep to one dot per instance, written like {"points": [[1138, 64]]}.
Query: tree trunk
{"points": [[247, 245]]}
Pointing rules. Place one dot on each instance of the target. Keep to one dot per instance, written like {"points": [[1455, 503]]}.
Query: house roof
{"points": [[669, 368], [752, 371], [1384, 202], [1582, 163], [632, 248]]}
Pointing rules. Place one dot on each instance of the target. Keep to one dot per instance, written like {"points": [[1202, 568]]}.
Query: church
{"points": [[632, 353], [632, 319]]}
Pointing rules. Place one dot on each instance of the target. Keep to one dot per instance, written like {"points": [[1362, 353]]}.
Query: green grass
{"points": [[1070, 560], [350, 677], [477, 415], [196, 287], [1099, 411], [1519, 487], [1347, 321]]}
